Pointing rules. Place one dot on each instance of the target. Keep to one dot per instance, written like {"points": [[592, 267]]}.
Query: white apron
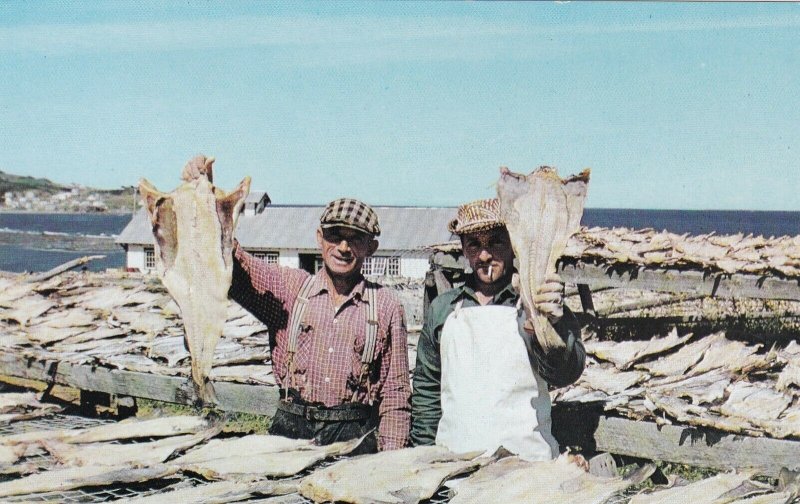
{"points": [[491, 396]]}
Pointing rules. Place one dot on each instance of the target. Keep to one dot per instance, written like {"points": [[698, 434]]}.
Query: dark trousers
{"points": [[297, 426]]}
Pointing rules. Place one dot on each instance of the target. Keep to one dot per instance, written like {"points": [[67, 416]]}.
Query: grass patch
{"points": [[246, 423]]}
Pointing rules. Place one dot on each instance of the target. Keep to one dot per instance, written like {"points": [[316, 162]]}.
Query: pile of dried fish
{"points": [[710, 381], [515, 480], [125, 321], [736, 253], [16, 406]]}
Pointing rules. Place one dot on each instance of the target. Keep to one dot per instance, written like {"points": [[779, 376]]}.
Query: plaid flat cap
{"points": [[475, 216], [351, 213]]}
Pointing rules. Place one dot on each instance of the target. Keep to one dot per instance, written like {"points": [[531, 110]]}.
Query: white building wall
{"points": [[414, 265], [135, 257], [289, 258]]}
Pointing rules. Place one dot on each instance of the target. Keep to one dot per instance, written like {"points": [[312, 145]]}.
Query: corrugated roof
{"points": [[294, 227]]}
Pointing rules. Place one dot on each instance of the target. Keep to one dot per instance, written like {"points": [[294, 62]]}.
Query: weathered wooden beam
{"points": [[240, 397], [695, 446], [61, 269], [672, 280]]}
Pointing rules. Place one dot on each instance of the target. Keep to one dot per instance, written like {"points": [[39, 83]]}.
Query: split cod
{"points": [[541, 212], [193, 228]]}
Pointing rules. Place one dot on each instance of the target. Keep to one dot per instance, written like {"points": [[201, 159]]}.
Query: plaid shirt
{"points": [[328, 359]]}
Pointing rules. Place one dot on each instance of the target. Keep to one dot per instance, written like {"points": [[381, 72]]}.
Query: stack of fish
{"points": [[710, 381], [122, 321], [737, 253]]}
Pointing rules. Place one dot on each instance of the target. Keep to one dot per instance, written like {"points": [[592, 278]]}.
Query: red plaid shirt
{"points": [[328, 359]]}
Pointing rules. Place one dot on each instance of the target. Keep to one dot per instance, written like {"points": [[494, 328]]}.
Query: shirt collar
{"points": [[506, 296], [320, 284]]}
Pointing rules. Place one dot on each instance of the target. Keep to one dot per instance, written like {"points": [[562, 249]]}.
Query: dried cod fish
{"points": [[721, 488], [789, 377], [772, 498], [541, 212], [724, 353], [754, 401], [77, 477], [126, 429], [219, 492], [700, 416], [625, 354], [610, 380], [10, 401], [513, 480], [193, 227], [259, 456], [701, 389], [134, 454], [676, 364], [244, 373], [404, 476], [27, 309]]}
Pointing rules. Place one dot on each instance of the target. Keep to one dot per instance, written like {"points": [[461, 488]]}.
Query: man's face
{"points": [[344, 250], [489, 254]]}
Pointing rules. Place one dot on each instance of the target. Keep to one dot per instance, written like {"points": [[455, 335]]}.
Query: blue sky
{"points": [[687, 106]]}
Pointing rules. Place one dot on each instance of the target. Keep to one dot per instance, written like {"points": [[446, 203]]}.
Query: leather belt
{"points": [[342, 413]]}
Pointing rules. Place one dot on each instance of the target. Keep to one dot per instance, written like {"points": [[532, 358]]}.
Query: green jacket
{"points": [[558, 369]]}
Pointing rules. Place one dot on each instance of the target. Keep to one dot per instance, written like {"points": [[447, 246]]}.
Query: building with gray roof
{"points": [[286, 235]]}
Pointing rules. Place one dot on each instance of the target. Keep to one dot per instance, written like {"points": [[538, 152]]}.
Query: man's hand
{"points": [[198, 166], [549, 298]]}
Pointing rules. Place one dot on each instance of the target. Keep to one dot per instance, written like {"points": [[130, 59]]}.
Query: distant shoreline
{"points": [[64, 212]]}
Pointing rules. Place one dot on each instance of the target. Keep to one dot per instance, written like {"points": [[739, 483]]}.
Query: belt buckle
{"points": [[309, 413]]}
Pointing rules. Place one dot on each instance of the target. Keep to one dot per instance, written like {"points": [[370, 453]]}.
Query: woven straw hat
{"points": [[475, 216], [350, 213]]}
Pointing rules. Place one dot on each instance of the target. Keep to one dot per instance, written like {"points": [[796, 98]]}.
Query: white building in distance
{"points": [[286, 235]]}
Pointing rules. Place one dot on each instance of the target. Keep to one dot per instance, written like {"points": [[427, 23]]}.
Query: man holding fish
{"points": [[338, 341], [481, 377]]}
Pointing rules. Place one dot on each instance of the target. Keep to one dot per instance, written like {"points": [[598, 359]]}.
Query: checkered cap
{"points": [[475, 216], [350, 213]]}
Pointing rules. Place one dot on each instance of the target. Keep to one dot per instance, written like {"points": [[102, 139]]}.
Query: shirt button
{"points": [[335, 320], [330, 350], [327, 380]]}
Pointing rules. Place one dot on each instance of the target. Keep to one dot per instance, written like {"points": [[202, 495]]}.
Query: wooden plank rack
{"points": [[594, 431], [258, 399], [695, 282]]}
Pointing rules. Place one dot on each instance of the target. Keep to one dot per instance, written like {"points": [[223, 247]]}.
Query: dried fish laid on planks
{"points": [[754, 401], [513, 480], [16, 406], [725, 487], [404, 476], [77, 477], [126, 429], [541, 211], [219, 492], [258, 456], [193, 227], [624, 354], [134, 454]]}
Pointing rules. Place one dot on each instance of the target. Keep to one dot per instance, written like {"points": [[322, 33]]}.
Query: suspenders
{"points": [[296, 318]]}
